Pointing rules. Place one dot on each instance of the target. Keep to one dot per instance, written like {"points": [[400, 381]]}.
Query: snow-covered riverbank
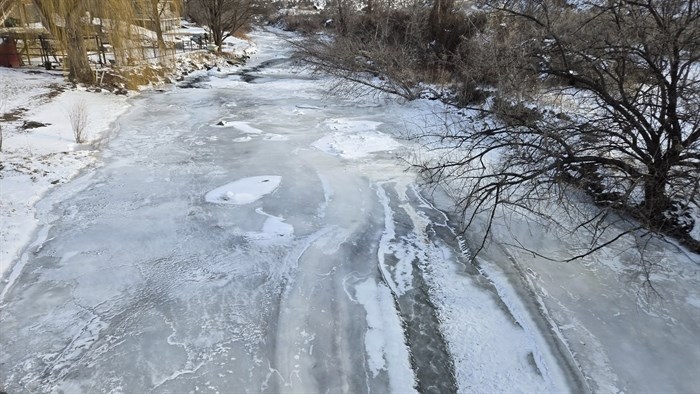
{"points": [[36, 159], [39, 149]]}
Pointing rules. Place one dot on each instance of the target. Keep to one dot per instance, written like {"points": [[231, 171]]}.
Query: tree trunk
{"points": [[217, 37], [342, 23], [71, 36], [656, 201], [217, 24], [157, 27], [78, 65]]}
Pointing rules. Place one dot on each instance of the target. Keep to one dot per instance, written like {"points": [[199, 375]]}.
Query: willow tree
{"points": [[71, 22], [156, 8], [119, 19], [64, 21]]}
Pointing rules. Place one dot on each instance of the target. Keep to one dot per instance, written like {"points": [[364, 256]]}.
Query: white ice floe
{"points": [[356, 145], [275, 225], [244, 127], [244, 191], [274, 229]]}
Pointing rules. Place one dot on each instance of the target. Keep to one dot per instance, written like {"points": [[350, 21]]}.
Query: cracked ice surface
{"points": [[182, 265]]}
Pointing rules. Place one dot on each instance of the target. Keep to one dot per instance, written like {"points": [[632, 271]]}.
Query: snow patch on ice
{"points": [[403, 279], [275, 225], [244, 191], [327, 196], [694, 301], [545, 361], [494, 350], [405, 254], [384, 339], [490, 351], [695, 232], [356, 145], [275, 137], [354, 139], [350, 125]]}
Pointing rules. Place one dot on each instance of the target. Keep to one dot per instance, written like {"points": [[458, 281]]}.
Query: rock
{"points": [[30, 124]]}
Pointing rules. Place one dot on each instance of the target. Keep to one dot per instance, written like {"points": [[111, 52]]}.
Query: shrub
{"points": [[78, 120]]}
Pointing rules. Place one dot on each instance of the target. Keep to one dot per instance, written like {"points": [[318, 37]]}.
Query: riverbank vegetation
{"points": [[586, 102]]}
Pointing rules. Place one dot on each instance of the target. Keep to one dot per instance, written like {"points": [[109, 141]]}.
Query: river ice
{"points": [[250, 233]]}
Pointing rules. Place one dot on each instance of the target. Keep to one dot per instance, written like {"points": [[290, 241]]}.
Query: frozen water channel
{"points": [[251, 233]]}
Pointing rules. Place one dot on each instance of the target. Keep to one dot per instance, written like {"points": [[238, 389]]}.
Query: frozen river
{"points": [[253, 233]]}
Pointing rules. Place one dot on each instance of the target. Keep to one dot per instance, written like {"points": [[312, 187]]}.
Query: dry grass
{"points": [[242, 33]]}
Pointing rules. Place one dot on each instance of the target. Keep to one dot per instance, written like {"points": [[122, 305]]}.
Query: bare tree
{"points": [[615, 112], [155, 11], [402, 50], [372, 64], [223, 17]]}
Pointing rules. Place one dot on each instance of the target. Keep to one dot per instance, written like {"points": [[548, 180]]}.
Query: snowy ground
{"points": [[36, 159], [247, 232]]}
